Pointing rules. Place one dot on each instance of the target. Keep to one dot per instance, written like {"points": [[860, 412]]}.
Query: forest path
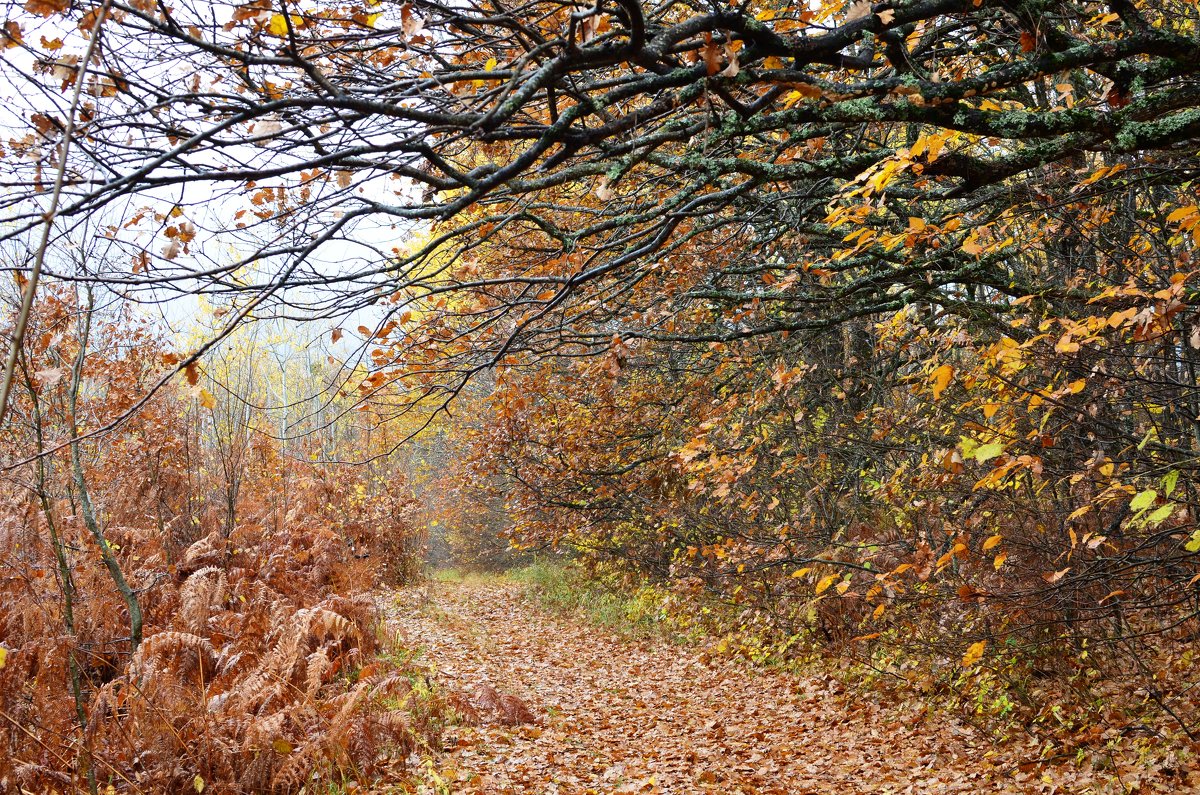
{"points": [[618, 715]]}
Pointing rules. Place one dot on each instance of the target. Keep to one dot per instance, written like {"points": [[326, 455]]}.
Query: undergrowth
{"points": [[638, 612], [183, 611]]}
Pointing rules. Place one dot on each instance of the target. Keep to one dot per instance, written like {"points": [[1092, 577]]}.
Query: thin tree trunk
{"points": [[66, 581], [85, 501]]}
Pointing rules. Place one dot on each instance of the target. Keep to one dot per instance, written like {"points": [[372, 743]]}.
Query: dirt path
{"points": [[619, 716]]}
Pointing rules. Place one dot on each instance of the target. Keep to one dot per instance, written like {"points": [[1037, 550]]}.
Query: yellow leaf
{"points": [[992, 542], [941, 379], [1182, 212], [1119, 318], [974, 653], [801, 572], [1077, 386], [207, 400], [825, 582], [3, 656], [282, 746], [490, 65], [278, 25], [878, 611], [999, 561], [198, 783], [1066, 345]]}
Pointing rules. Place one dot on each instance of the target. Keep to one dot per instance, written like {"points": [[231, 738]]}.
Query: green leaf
{"points": [[1169, 482], [198, 783], [1194, 544], [986, 452], [1143, 500], [1162, 514]]}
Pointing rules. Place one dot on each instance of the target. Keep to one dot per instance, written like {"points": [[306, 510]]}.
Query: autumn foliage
{"points": [[262, 661], [854, 331], [965, 501]]}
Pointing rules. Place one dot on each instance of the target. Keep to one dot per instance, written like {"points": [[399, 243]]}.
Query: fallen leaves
{"points": [[625, 716]]}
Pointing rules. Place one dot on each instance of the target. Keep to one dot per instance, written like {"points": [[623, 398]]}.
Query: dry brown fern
{"points": [[255, 673], [508, 709], [204, 590]]}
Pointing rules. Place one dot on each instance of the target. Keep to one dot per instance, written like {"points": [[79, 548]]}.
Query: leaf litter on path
{"points": [[614, 715]]}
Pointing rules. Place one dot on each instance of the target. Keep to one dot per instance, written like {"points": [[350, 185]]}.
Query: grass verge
{"points": [[560, 588]]}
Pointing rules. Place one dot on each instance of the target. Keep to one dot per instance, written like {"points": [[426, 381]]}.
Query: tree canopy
{"points": [[674, 171]]}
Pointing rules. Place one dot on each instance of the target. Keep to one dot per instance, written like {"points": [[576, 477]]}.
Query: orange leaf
{"points": [[711, 55], [974, 653], [47, 8], [941, 378], [1054, 576]]}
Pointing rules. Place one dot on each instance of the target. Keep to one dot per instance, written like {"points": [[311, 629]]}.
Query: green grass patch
{"points": [[563, 589], [455, 575]]}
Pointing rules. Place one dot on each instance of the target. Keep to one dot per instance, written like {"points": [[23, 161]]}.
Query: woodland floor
{"points": [[618, 715]]}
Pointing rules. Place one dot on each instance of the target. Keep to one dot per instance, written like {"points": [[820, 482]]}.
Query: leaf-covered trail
{"points": [[646, 716]]}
